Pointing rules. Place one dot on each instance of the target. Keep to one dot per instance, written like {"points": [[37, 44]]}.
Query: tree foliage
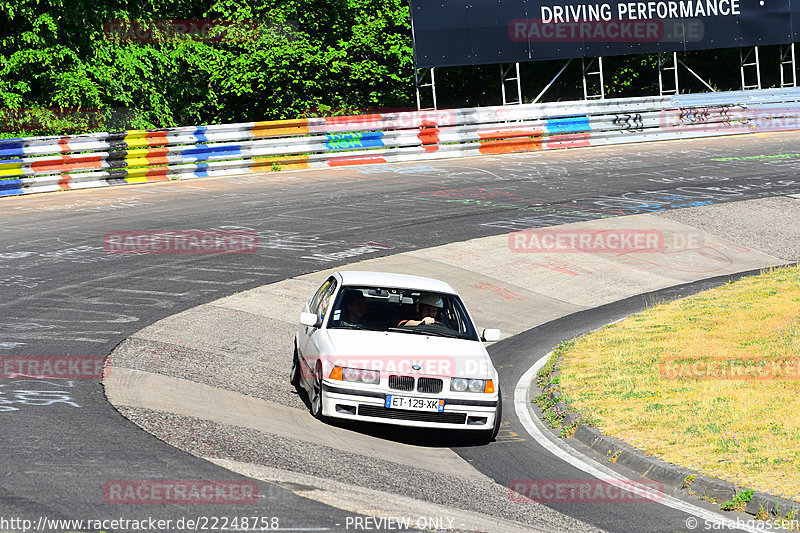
{"points": [[303, 56]]}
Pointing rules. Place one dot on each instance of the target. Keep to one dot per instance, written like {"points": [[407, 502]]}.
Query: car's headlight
{"points": [[471, 385], [350, 374], [371, 377]]}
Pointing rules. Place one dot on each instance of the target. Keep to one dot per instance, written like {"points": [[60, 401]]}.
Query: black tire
{"points": [[316, 394], [491, 435], [294, 375]]}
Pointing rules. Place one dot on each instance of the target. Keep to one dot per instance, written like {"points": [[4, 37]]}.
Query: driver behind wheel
{"points": [[354, 305], [428, 308]]}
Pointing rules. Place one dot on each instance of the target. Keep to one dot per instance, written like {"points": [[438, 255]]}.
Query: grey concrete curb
{"points": [[673, 477]]}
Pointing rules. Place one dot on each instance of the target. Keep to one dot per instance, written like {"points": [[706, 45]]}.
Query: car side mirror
{"points": [[490, 335], [308, 319]]}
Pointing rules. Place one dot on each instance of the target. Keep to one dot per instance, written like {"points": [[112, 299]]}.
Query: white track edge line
{"points": [[590, 466]]}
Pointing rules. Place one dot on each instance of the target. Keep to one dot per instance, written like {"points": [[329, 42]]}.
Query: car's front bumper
{"points": [[370, 406]]}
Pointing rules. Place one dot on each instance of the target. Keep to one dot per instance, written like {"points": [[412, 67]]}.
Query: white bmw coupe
{"points": [[396, 349]]}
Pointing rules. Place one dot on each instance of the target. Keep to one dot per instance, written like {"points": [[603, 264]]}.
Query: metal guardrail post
{"points": [[755, 63], [504, 78], [788, 52], [599, 73], [419, 85], [661, 69]]}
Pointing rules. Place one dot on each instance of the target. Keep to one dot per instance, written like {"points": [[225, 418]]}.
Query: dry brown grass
{"points": [[743, 430]]}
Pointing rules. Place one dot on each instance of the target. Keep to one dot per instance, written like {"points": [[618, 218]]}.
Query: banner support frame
{"points": [[535, 100], [598, 72], [504, 78], [784, 54], [755, 63], [661, 69], [418, 85]]}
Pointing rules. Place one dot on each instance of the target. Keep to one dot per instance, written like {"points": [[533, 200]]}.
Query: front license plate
{"points": [[414, 404]]}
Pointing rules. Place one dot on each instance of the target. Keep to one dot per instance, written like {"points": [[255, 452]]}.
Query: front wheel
{"points": [[498, 419], [294, 375], [316, 394]]}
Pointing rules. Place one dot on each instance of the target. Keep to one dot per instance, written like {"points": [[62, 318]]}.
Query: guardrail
{"points": [[42, 164]]}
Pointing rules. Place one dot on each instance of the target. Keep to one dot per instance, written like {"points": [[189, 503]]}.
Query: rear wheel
{"points": [[316, 394]]}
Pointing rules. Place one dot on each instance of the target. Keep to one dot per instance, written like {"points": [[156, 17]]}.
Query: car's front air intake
{"points": [[401, 383], [429, 385], [418, 416]]}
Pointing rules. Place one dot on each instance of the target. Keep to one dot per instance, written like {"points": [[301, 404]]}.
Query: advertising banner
{"points": [[475, 32]]}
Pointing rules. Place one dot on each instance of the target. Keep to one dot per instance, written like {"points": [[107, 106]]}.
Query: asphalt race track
{"points": [[525, 459], [63, 294]]}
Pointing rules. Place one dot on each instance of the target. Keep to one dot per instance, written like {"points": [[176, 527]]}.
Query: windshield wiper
{"points": [[423, 332], [357, 326]]}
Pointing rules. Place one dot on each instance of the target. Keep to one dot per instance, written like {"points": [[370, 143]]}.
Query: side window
{"points": [[322, 299], [314, 303]]}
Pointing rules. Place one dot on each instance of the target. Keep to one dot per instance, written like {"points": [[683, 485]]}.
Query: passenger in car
{"points": [[428, 307], [355, 308]]}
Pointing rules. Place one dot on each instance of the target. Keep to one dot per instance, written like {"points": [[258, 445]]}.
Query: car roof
{"points": [[390, 280]]}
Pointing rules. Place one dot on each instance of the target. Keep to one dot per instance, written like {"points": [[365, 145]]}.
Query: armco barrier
{"points": [[41, 164]]}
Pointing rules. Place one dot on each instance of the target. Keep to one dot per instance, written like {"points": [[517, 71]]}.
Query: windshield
{"points": [[401, 310]]}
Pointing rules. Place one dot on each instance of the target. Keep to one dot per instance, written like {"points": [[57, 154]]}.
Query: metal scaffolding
{"points": [[788, 52], [599, 72], [670, 70], [504, 78], [665, 66], [673, 65], [546, 87], [743, 64], [419, 82]]}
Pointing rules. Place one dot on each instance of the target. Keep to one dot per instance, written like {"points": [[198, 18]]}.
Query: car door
{"points": [[311, 339]]}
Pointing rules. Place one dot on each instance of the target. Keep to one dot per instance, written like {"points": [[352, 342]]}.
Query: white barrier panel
{"points": [[41, 164]]}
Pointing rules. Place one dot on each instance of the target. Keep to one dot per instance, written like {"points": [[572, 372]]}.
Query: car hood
{"points": [[403, 352]]}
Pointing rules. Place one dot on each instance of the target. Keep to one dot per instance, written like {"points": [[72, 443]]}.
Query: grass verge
{"points": [[709, 382]]}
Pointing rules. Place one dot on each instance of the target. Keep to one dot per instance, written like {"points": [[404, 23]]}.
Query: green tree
{"points": [[300, 56]]}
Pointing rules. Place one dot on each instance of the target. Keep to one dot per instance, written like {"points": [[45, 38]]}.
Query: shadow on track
{"points": [[424, 437]]}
